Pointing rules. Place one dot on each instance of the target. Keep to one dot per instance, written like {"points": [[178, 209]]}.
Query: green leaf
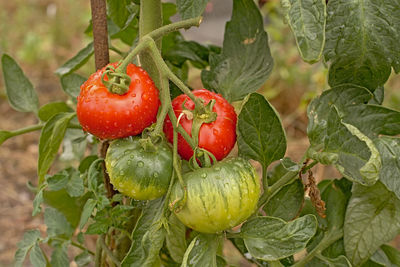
{"points": [[70, 207], [28, 241], [19, 89], [87, 212], [176, 238], [285, 165], [389, 149], [191, 8], [260, 133], [147, 237], [74, 145], [245, 62], [83, 259], [36, 256], [307, 19], [336, 200], [75, 187], [373, 120], [318, 110], [77, 61], [49, 110], [202, 251], [59, 257], [182, 50], [50, 139], [86, 162], [287, 203], [372, 219], [118, 12], [349, 150], [270, 239], [379, 95], [387, 256], [58, 181], [390, 257], [71, 84], [362, 41], [322, 261], [56, 223], [37, 201]]}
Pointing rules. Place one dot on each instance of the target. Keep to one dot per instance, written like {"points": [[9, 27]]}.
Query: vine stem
{"points": [[108, 251], [285, 179], [36, 127]]}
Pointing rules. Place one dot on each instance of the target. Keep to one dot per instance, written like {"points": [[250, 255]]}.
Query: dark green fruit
{"points": [[139, 173]]}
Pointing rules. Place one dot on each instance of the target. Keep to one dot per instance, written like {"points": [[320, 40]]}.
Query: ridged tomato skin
{"points": [[219, 197], [218, 137], [111, 116], [139, 174]]}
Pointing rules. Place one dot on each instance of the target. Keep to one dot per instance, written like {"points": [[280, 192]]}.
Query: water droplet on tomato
{"points": [[145, 97], [215, 131], [115, 124], [140, 164], [137, 81]]}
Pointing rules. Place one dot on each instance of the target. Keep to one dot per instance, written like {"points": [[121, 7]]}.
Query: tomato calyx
{"points": [[178, 204], [118, 82]]}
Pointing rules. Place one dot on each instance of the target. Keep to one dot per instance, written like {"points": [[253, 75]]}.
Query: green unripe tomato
{"points": [[139, 173], [219, 197]]}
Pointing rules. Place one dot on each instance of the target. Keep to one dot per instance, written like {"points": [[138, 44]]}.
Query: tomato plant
{"points": [[148, 202], [110, 115], [218, 136]]}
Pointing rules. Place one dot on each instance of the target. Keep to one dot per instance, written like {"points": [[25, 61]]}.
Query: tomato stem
{"points": [[285, 179], [178, 204], [165, 70], [165, 104], [183, 24], [328, 239]]}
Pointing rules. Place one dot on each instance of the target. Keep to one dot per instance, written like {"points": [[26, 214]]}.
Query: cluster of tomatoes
{"points": [[218, 197]]}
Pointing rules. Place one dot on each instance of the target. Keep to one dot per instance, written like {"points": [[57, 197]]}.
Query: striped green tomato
{"points": [[138, 173], [219, 197]]}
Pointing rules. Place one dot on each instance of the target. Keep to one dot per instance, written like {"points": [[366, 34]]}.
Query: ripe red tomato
{"points": [[218, 137], [111, 116]]}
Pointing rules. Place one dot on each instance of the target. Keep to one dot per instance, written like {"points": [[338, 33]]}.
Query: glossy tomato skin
{"points": [[218, 197], [137, 173], [111, 116], [218, 137]]}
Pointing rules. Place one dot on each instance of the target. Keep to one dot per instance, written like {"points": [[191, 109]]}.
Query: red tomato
{"points": [[111, 116], [218, 137]]}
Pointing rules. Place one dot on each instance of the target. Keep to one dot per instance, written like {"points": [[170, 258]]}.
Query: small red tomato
{"points": [[218, 137], [111, 116]]}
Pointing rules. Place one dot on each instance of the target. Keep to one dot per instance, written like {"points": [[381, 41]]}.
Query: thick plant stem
{"points": [[150, 19], [100, 39], [100, 35]]}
